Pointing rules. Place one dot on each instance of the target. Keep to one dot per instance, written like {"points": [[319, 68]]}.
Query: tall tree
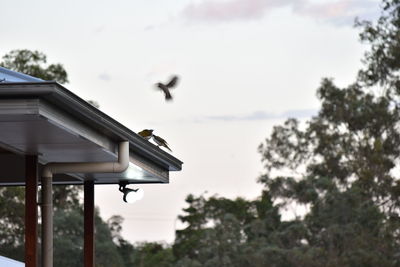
{"points": [[341, 166], [342, 163], [225, 232]]}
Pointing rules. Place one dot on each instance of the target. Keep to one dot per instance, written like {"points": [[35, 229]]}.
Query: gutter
{"points": [[64, 99], [47, 191]]}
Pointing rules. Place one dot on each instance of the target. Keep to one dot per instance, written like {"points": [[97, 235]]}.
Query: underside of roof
{"points": [[45, 119]]}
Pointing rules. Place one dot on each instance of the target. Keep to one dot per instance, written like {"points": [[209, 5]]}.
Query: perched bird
{"points": [[165, 87], [146, 134], [161, 142]]}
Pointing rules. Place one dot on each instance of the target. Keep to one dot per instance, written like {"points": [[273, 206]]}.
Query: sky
{"points": [[245, 66]]}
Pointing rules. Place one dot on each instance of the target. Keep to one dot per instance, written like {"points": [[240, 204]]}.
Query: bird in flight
{"points": [[146, 134], [161, 142], [166, 87]]}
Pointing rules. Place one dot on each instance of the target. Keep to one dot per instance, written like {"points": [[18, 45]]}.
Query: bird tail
{"points": [[168, 96]]}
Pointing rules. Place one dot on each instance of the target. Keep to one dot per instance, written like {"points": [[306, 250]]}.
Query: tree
{"points": [[12, 208], [341, 166], [225, 232], [32, 63], [149, 254]]}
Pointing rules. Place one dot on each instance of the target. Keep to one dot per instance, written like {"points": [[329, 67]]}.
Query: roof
{"points": [[7, 75], [44, 118], [7, 262]]}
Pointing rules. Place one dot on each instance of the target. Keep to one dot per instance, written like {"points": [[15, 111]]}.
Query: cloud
{"points": [[100, 29], [262, 115], [104, 77], [226, 10], [150, 27], [336, 11], [342, 12]]}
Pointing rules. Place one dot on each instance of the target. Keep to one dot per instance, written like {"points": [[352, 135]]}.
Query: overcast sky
{"points": [[245, 66]]}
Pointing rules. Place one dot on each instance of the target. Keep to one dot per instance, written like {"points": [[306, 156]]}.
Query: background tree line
{"points": [[341, 166]]}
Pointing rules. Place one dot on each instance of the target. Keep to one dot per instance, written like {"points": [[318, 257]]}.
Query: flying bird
{"points": [[161, 142], [146, 134], [166, 87]]}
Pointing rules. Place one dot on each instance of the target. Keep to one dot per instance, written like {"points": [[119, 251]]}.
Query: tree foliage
{"points": [[12, 209], [32, 63], [341, 167]]}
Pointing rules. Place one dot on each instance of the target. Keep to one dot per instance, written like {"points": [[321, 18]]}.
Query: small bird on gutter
{"points": [[161, 142], [166, 87], [146, 134]]}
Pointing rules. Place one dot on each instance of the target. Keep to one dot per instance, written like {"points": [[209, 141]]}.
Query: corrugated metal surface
{"points": [[7, 75], [7, 262]]}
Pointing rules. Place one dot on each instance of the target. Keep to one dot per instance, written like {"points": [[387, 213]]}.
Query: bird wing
{"points": [[165, 89], [161, 142], [172, 82]]}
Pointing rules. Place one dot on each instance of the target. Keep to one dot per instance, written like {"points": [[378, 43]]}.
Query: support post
{"points": [[89, 248], [47, 201], [47, 221], [31, 212]]}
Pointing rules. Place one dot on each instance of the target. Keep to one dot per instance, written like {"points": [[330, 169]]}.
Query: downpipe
{"points": [[47, 191]]}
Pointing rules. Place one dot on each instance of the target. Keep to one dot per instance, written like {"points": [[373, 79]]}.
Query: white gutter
{"points": [[47, 192]]}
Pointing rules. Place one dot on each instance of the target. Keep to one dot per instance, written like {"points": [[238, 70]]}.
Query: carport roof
{"points": [[44, 118]]}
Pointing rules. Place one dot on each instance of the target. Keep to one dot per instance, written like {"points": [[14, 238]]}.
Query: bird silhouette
{"points": [[166, 87], [146, 134], [161, 142]]}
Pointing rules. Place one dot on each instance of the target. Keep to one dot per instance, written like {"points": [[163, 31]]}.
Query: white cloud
{"points": [[337, 12], [104, 77], [341, 12], [262, 115], [231, 10], [100, 29]]}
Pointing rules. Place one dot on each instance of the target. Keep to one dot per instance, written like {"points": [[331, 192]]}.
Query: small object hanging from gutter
{"points": [[130, 195]]}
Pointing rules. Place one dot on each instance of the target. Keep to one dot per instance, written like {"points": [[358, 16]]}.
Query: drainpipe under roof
{"points": [[47, 191]]}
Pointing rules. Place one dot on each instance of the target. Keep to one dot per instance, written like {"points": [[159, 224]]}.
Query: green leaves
{"points": [[12, 208], [32, 63]]}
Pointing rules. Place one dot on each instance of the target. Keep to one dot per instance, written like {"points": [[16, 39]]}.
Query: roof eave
{"points": [[57, 94]]}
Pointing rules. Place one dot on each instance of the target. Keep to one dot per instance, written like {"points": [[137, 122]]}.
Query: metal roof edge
{"points": [[57, 94], [14, 76]]}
